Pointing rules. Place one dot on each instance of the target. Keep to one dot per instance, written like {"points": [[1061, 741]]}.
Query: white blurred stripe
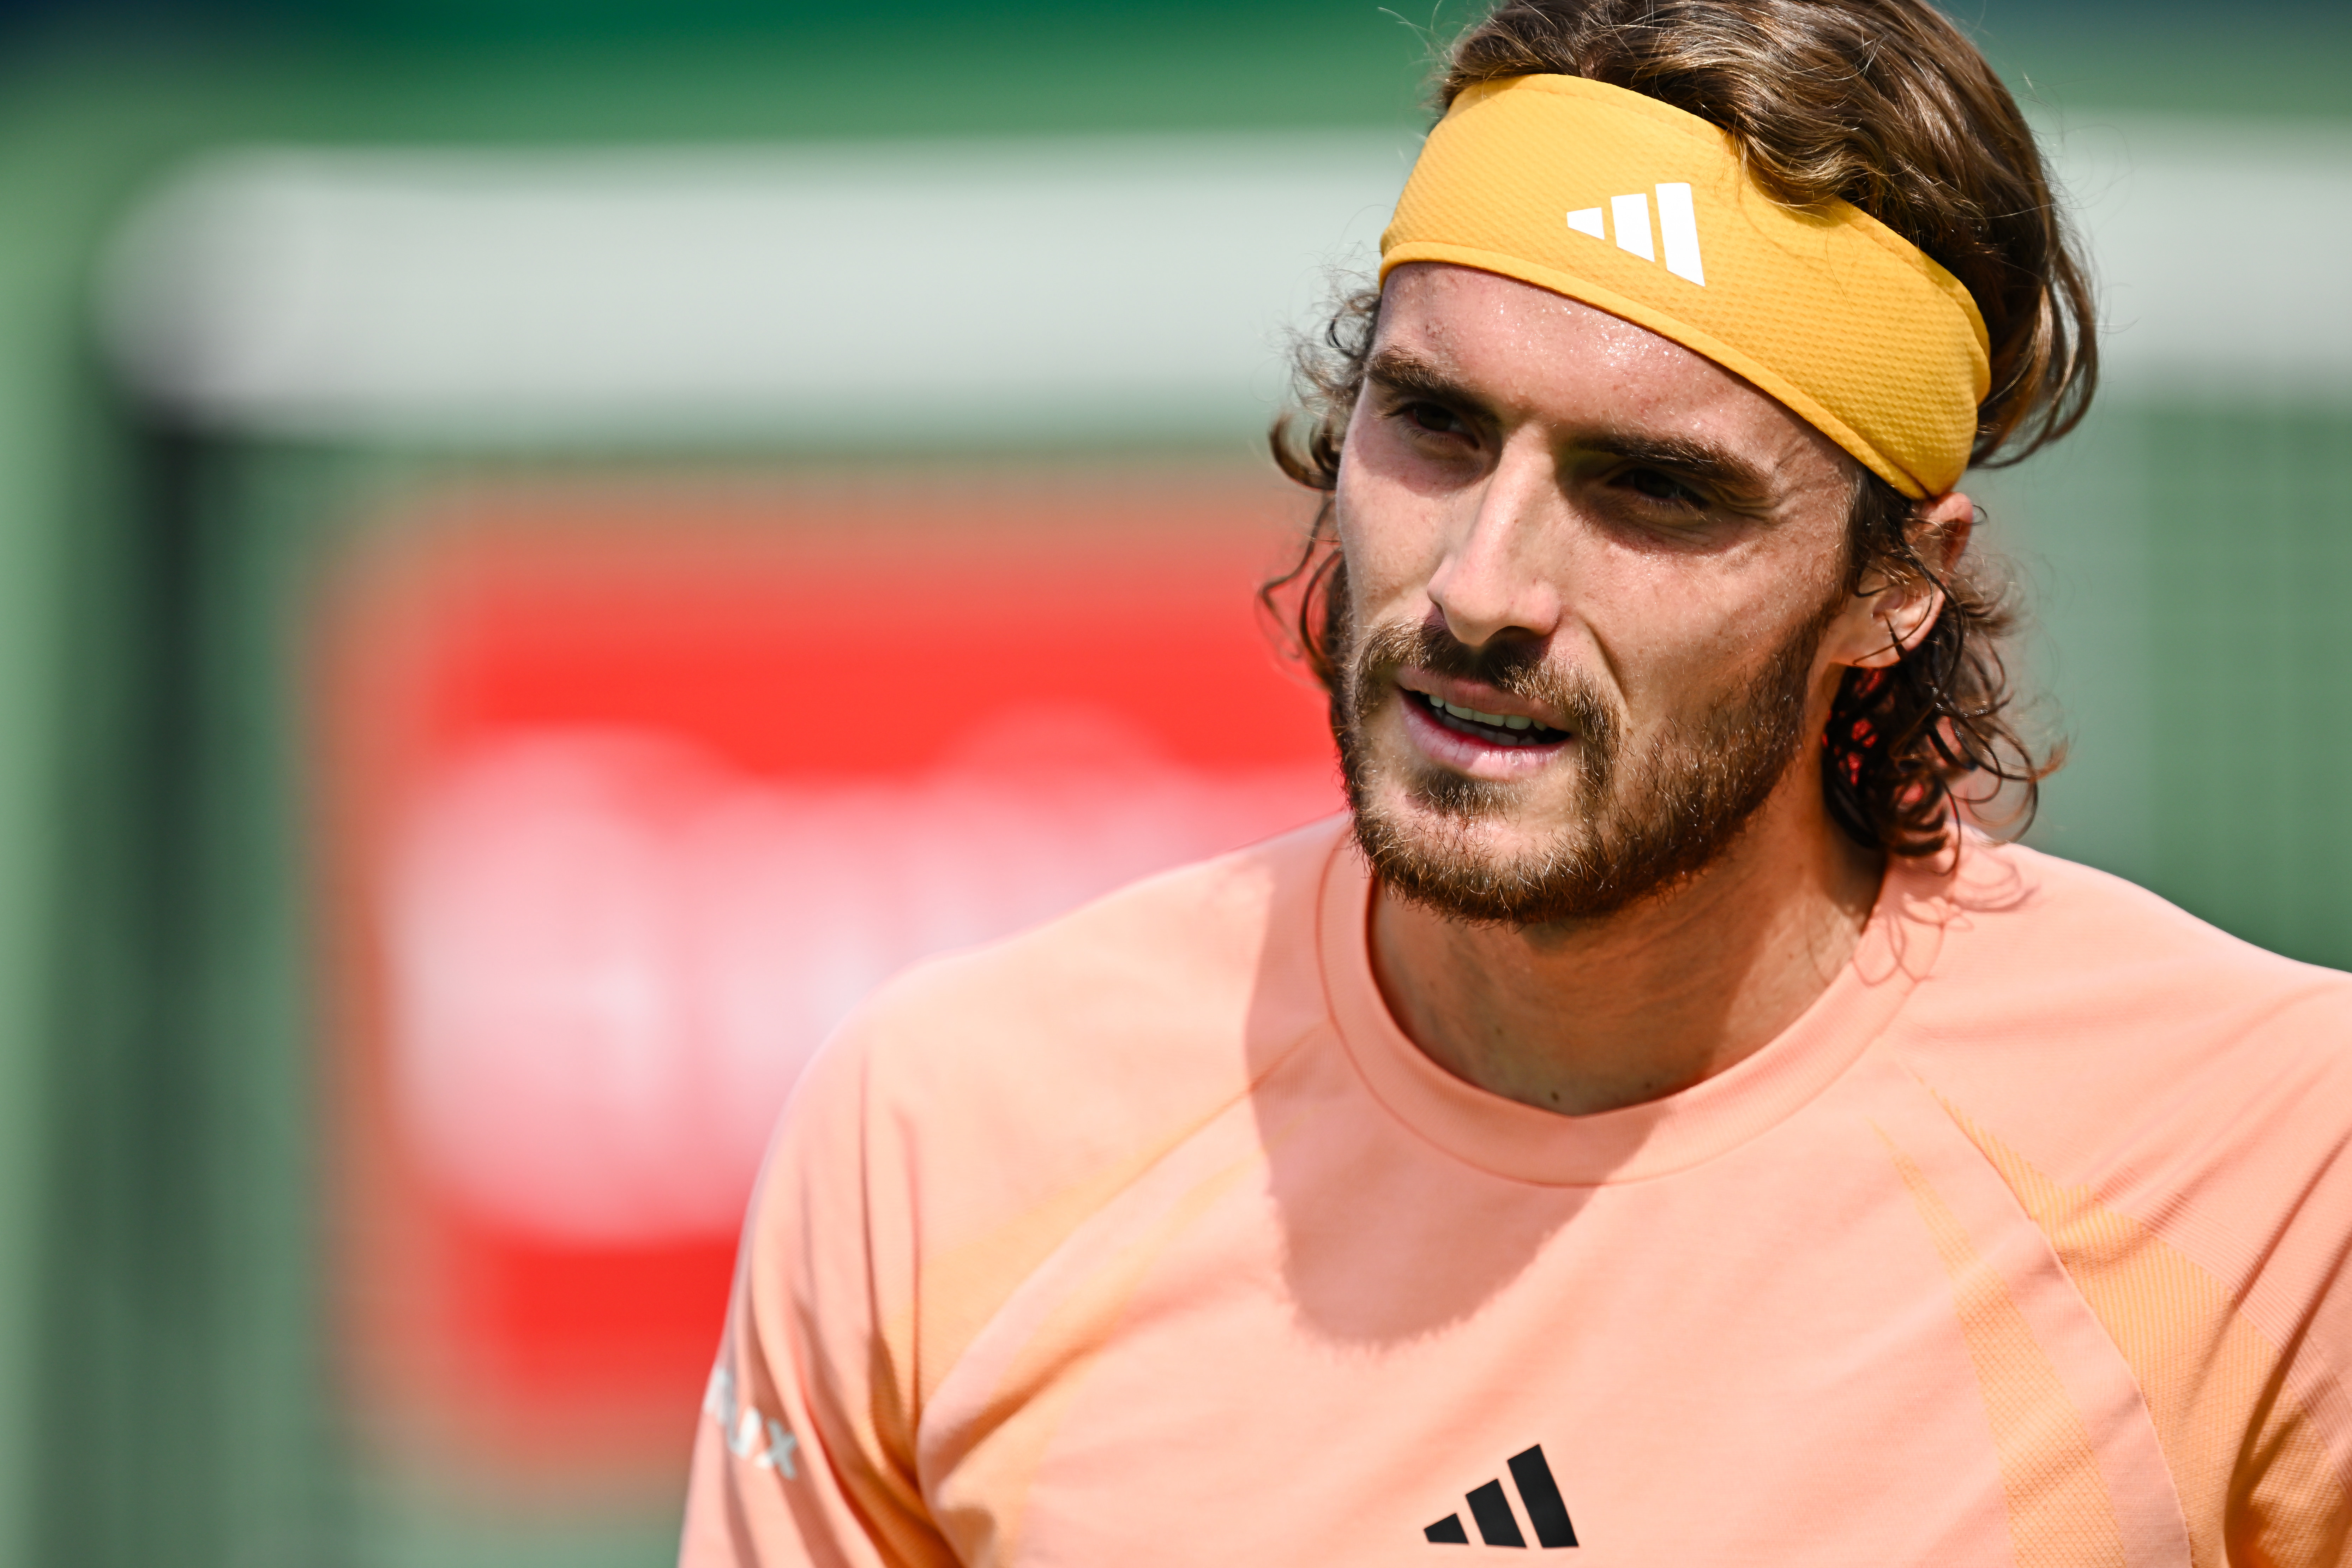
{"points": [[2221, 249], [1083, 287], [834, 292]]}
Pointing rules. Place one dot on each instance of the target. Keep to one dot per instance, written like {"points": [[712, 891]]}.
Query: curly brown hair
{"points": [[1885, 105]]}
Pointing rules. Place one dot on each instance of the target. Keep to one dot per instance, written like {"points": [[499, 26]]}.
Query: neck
{"points": [[1598, 1014]]}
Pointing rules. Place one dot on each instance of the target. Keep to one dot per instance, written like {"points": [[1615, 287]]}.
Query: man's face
{"points": [[1596, 601]]}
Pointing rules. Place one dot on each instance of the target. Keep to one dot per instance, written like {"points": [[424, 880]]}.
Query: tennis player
{"points": [[1653, 1123]]}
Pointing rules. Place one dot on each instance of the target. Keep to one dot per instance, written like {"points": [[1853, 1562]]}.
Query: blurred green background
{"points": [[167, 1392]]}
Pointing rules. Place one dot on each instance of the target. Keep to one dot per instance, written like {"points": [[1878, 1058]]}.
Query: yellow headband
{"points": [[1844, 320]]}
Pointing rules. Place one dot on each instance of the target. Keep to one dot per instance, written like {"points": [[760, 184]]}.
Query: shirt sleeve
{"points": [[803, 1453]]}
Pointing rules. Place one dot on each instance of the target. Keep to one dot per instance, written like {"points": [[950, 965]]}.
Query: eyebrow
{"points": [[1740, 482], [1409, 372], [1737, 480]]}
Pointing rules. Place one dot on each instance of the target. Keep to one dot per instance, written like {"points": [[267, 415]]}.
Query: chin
{"points": [[1494, 853], [1490, 863]]}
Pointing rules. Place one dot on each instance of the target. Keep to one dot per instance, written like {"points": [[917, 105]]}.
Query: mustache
{"points": [[1517, 670]]}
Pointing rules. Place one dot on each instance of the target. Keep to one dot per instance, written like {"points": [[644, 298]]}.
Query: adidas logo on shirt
{"points": [[1629, 217], [1490, 1505]]}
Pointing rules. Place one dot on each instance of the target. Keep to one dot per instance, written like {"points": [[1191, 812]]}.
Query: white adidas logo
{"points": [[1629, 217]]}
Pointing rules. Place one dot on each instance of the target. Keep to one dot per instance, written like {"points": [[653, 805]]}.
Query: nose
{"points": [[1495, 580]]}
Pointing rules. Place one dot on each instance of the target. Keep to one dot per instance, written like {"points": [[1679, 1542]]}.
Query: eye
{"points": [[1653, 485], [1433, 418]]}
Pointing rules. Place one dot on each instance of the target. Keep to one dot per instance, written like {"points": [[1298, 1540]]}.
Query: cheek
{"points": [[1662, 641], [1391, 537], [1675, 642]]}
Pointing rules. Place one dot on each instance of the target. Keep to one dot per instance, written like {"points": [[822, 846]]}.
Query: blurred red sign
{"points": [[635, 790]]}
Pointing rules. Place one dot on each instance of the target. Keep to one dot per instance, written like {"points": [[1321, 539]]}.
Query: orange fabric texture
{"points": [[1642, 210], [1146, 1238]]}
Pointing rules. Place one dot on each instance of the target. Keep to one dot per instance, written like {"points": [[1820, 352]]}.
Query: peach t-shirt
{"points": [[1147, 1239]]}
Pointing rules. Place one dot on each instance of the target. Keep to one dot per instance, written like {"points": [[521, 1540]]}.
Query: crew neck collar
{"points": [[1899, 945]]}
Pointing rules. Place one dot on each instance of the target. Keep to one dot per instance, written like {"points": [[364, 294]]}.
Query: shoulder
{"points": [[2121, 1045], [2173, 1108], [2073, 956], [1177, 955], [1069, 1046]]}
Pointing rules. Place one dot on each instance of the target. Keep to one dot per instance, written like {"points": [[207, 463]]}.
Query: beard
{"points": [[1645, 819]]}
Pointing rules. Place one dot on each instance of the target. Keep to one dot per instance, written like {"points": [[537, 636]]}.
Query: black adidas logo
{"points": [[1498, 1526]]}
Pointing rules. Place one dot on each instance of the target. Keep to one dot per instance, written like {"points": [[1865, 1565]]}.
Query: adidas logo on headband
{"points": [[1629, 217]]}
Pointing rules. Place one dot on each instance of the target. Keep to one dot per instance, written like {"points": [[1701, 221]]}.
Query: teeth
{"points": [[1496, 721]]}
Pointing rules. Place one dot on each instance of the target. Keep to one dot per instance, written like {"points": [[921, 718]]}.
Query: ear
{"points": [[1890, 615]]}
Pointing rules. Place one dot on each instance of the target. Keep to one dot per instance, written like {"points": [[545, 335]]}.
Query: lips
{"points": [[1494, 729]]}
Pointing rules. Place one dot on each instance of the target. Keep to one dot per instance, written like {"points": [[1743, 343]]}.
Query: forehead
{"points": [[1528, 353]]}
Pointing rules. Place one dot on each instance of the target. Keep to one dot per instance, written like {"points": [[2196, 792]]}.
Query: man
{"points": [[1652, 1125]]}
